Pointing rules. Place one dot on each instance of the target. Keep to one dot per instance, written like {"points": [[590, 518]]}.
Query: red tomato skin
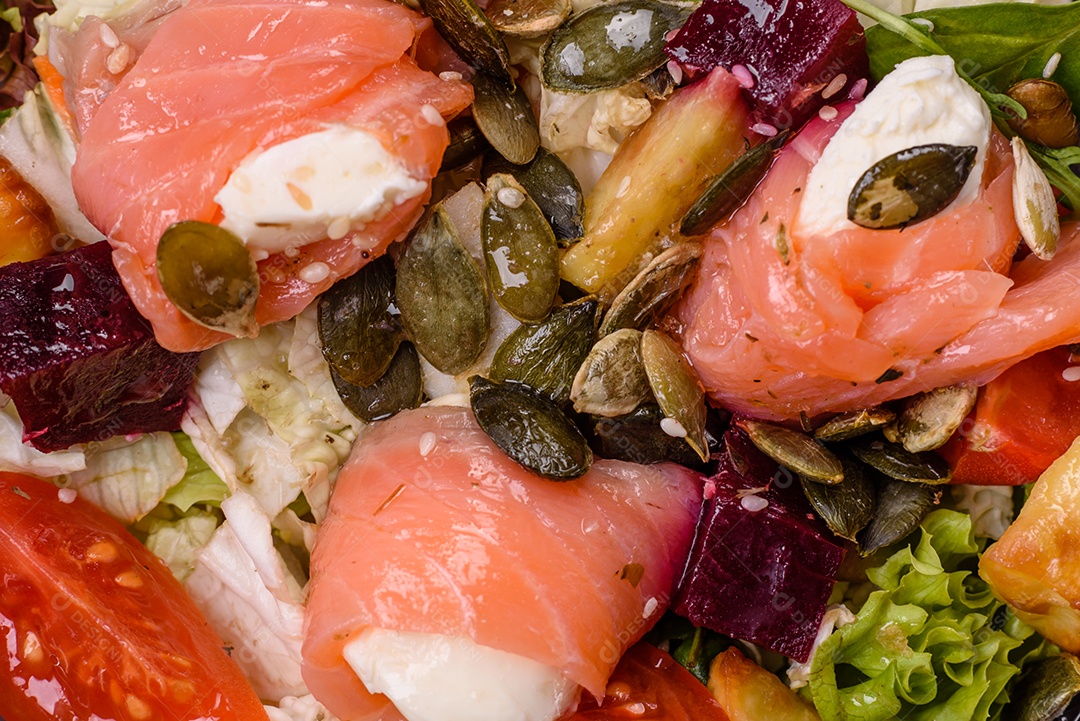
{"points": [[93, 625], [1023, 421], [649, 685]]}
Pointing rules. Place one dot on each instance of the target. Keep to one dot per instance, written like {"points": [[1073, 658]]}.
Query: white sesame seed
{"points": [[118, 59], [673, 428], [835, 85], [858, 90], [1051, 65], [764, 129], [624, 187], [828, 112], [743, 75], [510, 197], [67, 495], [108, 37], [431, 115], [650, 607], [427, 443], [315, 272], [449, 76], [1071, 374], [260, 254], [675, 71], [754, 503], [338, 228]]}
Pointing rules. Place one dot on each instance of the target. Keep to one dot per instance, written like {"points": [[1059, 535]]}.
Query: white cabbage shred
{"points": [[178, 542], [23, 458], [836, 616]]}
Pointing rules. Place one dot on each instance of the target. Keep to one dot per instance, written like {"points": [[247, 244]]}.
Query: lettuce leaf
{"points": [[932, 644], [178, 542], [199, 485]]}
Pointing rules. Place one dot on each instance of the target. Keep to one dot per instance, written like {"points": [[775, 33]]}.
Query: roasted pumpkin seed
{"points": [[469, 32], [1034, 204], [910, 186], [530, 429], [520, 250], [358, 324], [846, 507], [1050, 119], [676, 389], [901, 507], [929, 419], [400, 388], [545, 356], [854, 423], [612, 380], [658, 84], [552, 186], [732, 187], [608, 46], [528, 18], [896, 462], [506, 119], [638, 438], [1044, 690], [441, 295], [466, 143], [794, 450], [654, 290], [209, 275]]}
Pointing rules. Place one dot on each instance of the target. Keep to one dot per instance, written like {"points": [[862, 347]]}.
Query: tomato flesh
{"points": [[95, 626], [1023, 420]]}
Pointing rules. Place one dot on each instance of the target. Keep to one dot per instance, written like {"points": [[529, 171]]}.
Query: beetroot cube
{"points": [[76, 357], [795, 52], [763, 576]]}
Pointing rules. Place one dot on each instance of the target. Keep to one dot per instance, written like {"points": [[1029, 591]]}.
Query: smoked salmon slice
{"points": [[221, 79], [432, 529], [822, 324]]}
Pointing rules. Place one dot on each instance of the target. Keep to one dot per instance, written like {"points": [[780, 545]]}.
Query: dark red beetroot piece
{"points": [[762, 576], [794, 50], [76, 357]]}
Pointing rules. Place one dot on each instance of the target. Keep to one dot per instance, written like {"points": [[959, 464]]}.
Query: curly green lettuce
{"points": [[933, 644]]}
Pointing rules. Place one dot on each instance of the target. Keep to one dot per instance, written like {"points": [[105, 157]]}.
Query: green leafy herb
{"points": [[199, 485], [693, 648]]}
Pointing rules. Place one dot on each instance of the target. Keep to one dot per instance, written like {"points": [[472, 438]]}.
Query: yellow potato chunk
{"points": [[747, 692]]}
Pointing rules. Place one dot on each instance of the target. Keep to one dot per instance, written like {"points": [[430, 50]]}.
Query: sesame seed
{"points": [[338, 228], [675, 71], [835, 85], [510, 197], [673, 428], [650, 607], [302, 199], [431, 115], [764, 129], [858, 90], [624, 187], [118, 59], [1051, 65], [260, 254], [315, 272], [754, 503], [828, 112], [108, 37], [449, 76], [743, 75], [1071, 374], [428, 442], [67, 495]]}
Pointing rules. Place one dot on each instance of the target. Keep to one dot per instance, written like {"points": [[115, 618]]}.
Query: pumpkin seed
{"points": [[1050, 120], [910, 186], [794, 450], [676, 388], [466, 143], [469, 32], [400, 388], [209, 275], [520, 250], [1044, 690], [552, 186], [654, 290], [638, 438], [608, 46], [732, 187], [530, 429], [846, 507], [1034, 204], [929, 419], [612, 380], [658, 84], [896, 462], [358, 324], [545, 356], [441, 295], [901, 507], [854, 423], [505, 117], [528, 18]]}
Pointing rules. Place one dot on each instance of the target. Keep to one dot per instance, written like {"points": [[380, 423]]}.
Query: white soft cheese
{"points": [[319, 185], [431, 677], [922, 101]]}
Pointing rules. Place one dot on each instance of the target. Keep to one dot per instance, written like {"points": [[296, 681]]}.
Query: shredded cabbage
{"points": [[304, 708], [23, 458], [178, 542]]}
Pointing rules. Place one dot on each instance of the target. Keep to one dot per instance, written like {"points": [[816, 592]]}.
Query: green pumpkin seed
{"points": [[528, 18], [608, 46], [846, 507], [612, 380], [654, 290], [530, 429], [466, 143], [552, 186], [732, 187], [901, 507], [545, 356], [520, 250], [209, 275], [469, 32], [441, 295], [506, 119], [910, 186], [658, 84], [1044, 690], [794, 450], [358, 323], [400, 388], [929, 419], [676, 389], [854, 423], [639, 438], [896, 462]]}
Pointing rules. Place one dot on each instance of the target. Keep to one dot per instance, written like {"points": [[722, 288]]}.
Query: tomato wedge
{"points": [[95, 626], [648, 684], [1023, 421]]}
